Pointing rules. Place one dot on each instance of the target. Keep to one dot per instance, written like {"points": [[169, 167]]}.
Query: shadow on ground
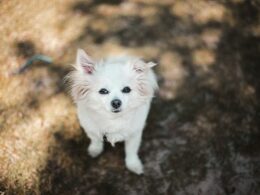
{"points": [[206, 140]]}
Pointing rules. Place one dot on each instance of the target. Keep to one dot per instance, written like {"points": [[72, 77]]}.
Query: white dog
{"points": [[113, 98]]}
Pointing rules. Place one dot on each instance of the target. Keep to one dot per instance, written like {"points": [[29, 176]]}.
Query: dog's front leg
{"points": [[95, 147], [133, 163]]}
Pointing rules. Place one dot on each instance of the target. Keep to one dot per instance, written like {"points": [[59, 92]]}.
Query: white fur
{"points": [[95, 112]]}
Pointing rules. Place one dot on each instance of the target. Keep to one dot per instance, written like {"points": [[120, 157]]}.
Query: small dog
{"points": [[113, 98]]}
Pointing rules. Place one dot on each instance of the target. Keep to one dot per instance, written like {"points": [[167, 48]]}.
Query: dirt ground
{"points": [[203, 132]]}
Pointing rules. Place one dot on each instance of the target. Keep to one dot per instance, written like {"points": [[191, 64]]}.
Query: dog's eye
{"points": [[103, 91], [126, 90]]}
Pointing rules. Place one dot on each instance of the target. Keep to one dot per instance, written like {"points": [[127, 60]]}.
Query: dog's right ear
{"points": [[84, 62], [140, 66]]}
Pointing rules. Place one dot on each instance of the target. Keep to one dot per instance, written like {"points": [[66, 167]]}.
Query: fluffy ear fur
{"points": [[78, 81], [140, 66], [84, 62], [145, 77], [77, 84]]}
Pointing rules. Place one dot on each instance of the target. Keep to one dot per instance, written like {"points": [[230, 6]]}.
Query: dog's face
{"points": [[114, 88], [115, 85]]}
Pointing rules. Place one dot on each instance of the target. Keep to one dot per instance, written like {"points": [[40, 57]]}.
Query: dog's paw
{"points": [[95, 149], [135, 165]]}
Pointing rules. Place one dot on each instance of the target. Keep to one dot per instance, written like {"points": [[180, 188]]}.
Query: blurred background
{"points": [[202, 135]]}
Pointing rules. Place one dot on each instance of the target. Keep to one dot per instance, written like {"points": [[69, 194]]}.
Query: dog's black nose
{"points": [[116, 103]]}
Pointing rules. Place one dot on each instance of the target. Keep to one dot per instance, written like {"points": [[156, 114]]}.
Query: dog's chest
{"points": [[116, 131], [114, 126]]}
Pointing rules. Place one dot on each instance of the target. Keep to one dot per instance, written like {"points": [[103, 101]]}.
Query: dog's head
{"points": [[112, 85]]}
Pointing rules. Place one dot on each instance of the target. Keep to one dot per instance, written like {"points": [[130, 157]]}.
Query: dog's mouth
{"points": [[116, 110]]}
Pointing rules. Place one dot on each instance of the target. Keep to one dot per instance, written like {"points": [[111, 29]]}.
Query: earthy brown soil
{"points": [[203, 132]]}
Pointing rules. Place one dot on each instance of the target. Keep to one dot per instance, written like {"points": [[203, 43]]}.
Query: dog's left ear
{"points": [[84, 62], [141, 66]]}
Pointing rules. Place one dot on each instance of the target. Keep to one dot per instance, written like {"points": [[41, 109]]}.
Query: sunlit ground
{"points": [[202, 135]]}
